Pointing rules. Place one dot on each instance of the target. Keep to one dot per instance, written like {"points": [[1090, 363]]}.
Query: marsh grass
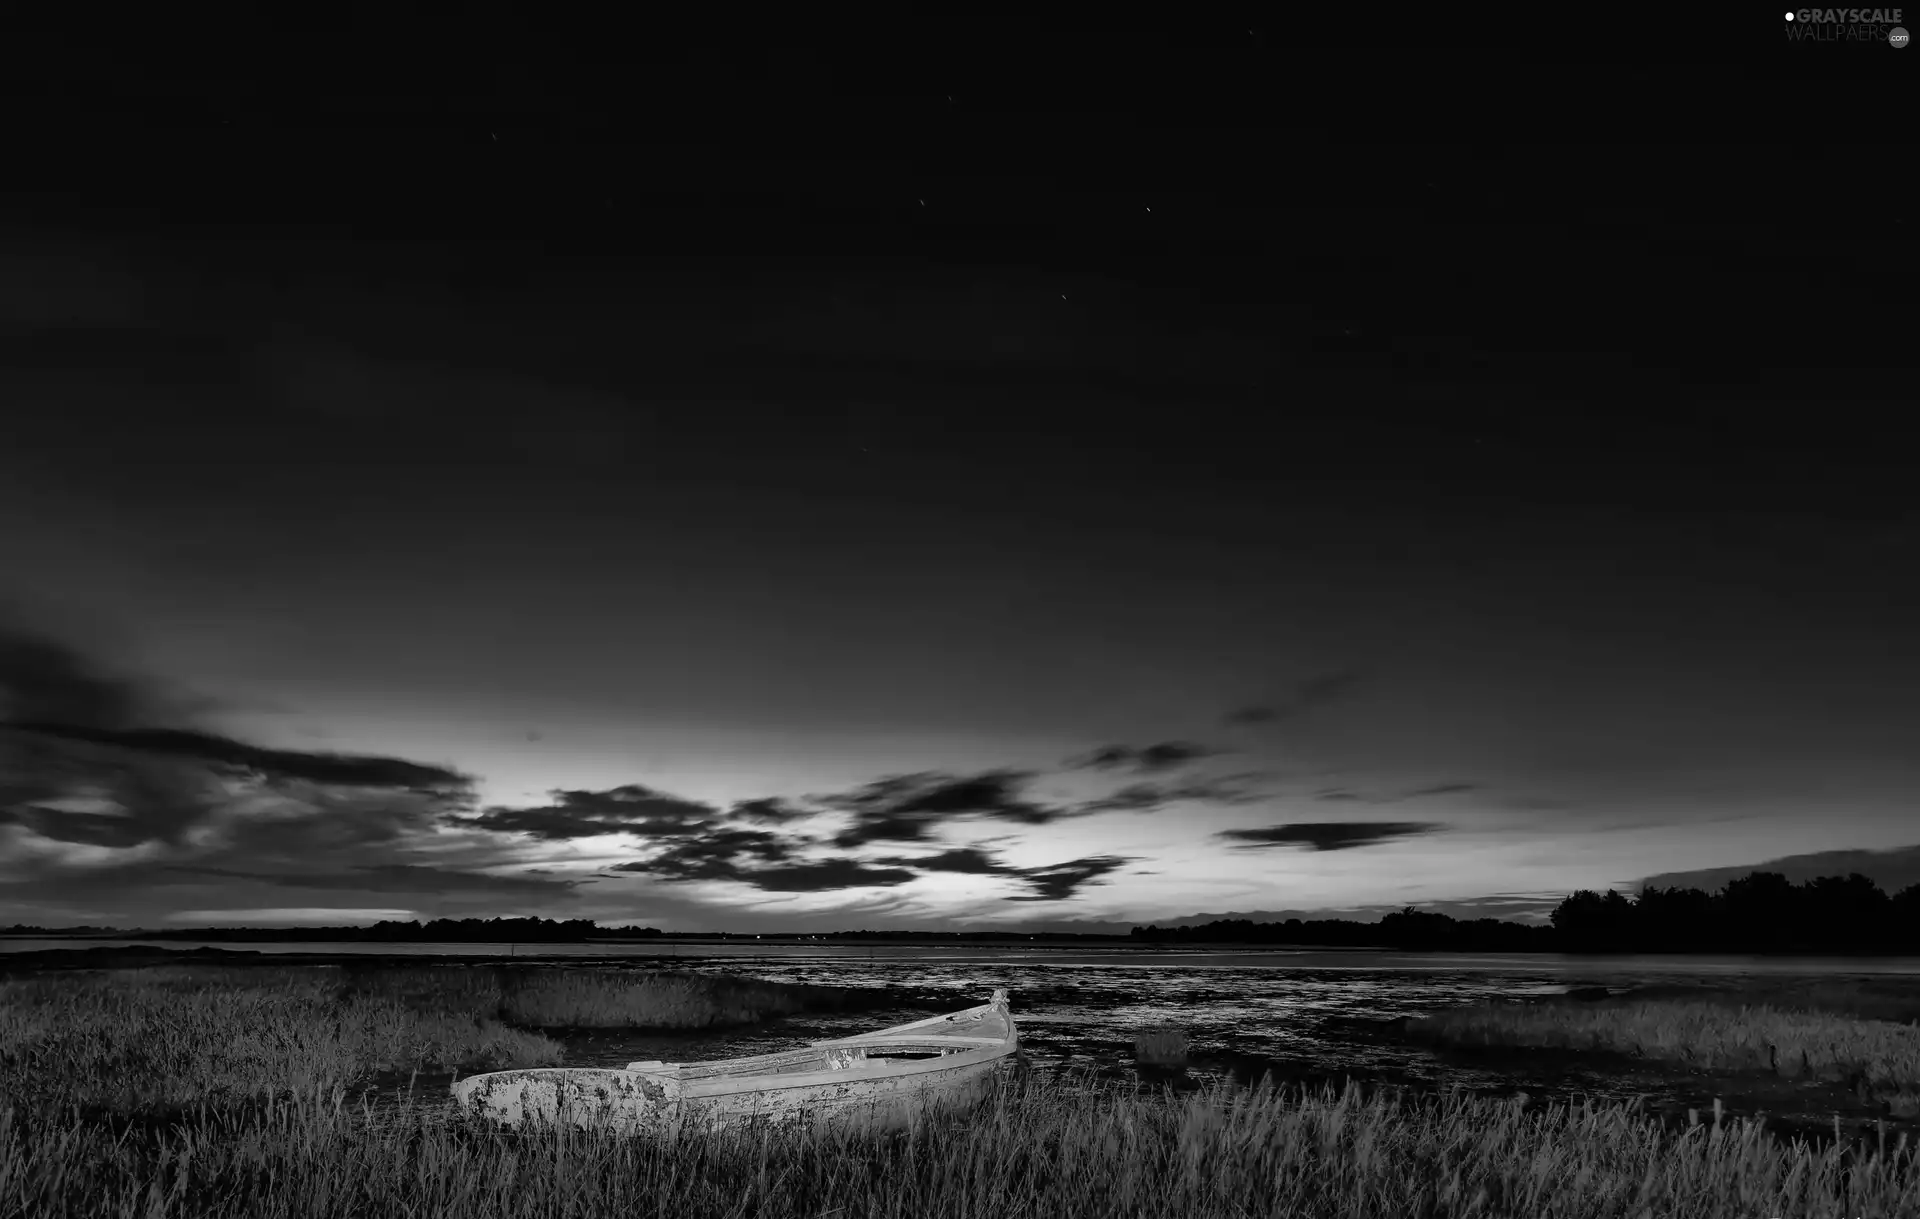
{"points": [[141, 1041], [1160, 1047], [1030, 1148], [1878, 1058], [127, 1041], [536, 997]]}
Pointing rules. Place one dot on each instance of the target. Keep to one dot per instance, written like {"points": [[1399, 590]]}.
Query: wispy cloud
{"points": [[1146, 759], [1438, 790], [1323, 690], [1061, 881], [719, 858], [45, 680], [388, 878], [770, 811], [628, 809], [970, 860], [105, 799], [1327, 835], [108, 793], [236, 757], [908, 808], [1146, 797]]}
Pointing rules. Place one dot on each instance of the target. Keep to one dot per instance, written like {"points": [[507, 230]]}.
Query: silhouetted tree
{"points": [[1675, 920], [1762, 910], [1837, 911]]}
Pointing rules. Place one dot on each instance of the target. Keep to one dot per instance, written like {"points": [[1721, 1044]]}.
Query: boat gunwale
{"points": [[701, 1087], [724, 1078]]}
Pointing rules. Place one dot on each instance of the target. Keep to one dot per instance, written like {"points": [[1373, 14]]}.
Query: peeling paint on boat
{"points": [[848, 1078]]}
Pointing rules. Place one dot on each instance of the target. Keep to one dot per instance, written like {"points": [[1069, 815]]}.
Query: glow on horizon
{"points": [[323, 916]]}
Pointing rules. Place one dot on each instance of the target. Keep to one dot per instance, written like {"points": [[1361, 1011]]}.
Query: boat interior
{"points": [[987, 1027]]}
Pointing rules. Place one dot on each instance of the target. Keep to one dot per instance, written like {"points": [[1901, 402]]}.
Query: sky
{"points": [[773, 493]]}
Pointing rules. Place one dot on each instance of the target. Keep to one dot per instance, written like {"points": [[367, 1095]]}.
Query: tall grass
{"points": [[1029, 1149], [1880, 1058], [1892, 999], [534, 997], [158, 1039], [1160, 1046], [143, 1040]]}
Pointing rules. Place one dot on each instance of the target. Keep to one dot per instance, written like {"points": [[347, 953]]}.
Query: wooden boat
{"points": [[881, 1078]]}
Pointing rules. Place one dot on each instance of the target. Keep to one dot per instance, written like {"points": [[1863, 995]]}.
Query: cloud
{"points": [[906, 808], [804, 877], [1145, 797], [828, 874], [43, 679], [1441, 789], [1149, 759], [767, 861], [1064, 880], [629, 809], [961, 859], [769, 811], [714, 854], [110, 795], [1892, 869], [1310, 695], [344, 769], [1328, 835], [1419, 793], [763, 859], [391, 878]]}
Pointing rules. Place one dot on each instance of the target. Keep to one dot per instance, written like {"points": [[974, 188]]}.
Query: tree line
{"points": [[1762, 912], [440, 930], [1415, 930]]}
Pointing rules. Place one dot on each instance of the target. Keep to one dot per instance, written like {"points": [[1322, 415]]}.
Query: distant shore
{"points": [[123, 953]]}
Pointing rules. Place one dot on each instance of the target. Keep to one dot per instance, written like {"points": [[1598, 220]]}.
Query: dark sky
{"points": [[762, 489]]}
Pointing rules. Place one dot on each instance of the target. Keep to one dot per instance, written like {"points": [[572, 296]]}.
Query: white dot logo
{"points": [[1789, 16]]}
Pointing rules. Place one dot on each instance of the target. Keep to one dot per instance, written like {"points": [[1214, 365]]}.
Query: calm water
{"points": [[1299, 1016]]}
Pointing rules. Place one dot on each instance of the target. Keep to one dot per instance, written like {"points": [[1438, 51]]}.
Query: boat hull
{"points": [[632, 1102], [882, 1079]]}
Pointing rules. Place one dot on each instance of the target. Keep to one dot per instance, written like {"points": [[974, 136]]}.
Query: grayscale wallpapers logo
{"points": [[1847, 25]]}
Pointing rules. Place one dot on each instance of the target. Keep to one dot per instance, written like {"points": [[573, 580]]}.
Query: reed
{"points": [[1162, 1046], [535, 997], [1028, 1148], [161, 1039], [1878, 1057], [130, 1041]]}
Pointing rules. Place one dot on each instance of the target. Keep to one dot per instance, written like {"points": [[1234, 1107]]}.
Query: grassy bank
{"points": [[560, 997], [1878, 1058], [141, 1041], [1032, 1149]]}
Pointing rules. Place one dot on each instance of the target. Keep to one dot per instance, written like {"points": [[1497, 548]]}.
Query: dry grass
{"points": [[532, 997], [1034, 1149], [1893, 999], [157, 1039], [142, 1040], [1160, 1047], [1879, 1057]]}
